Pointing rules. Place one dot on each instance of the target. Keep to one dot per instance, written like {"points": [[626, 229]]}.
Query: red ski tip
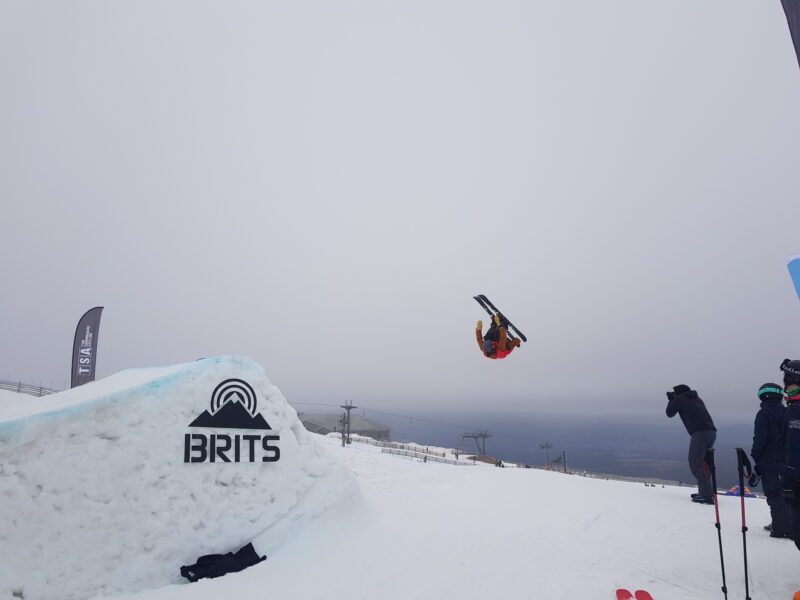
{"points": [[624, 595], [642, 595]]}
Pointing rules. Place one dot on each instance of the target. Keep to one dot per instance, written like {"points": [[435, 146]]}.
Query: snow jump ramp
{"points": [[112, 486]]}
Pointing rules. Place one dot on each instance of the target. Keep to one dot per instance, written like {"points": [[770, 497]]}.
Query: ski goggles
{"points": [[770, 391]]}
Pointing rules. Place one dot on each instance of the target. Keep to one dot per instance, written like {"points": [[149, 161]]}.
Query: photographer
{"points": [[685, 402]]}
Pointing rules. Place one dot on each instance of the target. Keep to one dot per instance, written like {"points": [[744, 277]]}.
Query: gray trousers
{"points": [[701, 442]]}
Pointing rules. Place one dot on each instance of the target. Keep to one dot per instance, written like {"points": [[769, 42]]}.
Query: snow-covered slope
{"points": [[429, 531], [15, 401], [110, 487]]}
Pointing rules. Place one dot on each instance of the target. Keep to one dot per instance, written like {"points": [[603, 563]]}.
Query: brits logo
{"points": [[233, 406]]}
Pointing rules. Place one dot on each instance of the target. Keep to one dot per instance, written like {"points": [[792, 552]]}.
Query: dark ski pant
{"points": [[796, 524], [499, 335], [495, 333], [773, 490], [701, 442], [792, 497]]}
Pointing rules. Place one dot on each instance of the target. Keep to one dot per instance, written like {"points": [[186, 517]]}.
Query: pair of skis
{"points": [[492, 310], [623, 594]]}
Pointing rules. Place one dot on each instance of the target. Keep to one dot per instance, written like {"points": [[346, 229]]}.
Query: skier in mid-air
{"points": [[496, 342]]}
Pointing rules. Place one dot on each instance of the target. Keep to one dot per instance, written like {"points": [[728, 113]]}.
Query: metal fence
{"points": [[397, 446], [611, 477], [645, 480], [424, 456], [25, 388]]}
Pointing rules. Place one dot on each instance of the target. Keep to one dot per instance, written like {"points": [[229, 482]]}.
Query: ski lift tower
{"points": [[480, 441], [348, 406], [546, 447]]}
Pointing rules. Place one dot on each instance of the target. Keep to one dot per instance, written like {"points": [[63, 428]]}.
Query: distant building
{"points": [[325, 424]]}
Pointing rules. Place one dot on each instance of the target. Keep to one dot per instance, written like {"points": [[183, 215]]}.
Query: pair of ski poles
{"points": [[745, 470]]}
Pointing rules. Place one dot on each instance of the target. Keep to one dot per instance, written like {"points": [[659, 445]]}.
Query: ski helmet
{"points": [[770, 391], [488, 347], [791, 371]]}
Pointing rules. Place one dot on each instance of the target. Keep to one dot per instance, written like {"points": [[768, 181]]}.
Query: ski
{"points": [[486, 302], [492, 310], [483, 304], [488, 310], [623, 594]]}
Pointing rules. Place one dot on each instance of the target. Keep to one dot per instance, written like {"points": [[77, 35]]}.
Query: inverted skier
{"points": [[497, 343]]}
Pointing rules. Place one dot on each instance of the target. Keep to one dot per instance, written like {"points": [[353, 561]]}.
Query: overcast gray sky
{"points": [[323, 186]]}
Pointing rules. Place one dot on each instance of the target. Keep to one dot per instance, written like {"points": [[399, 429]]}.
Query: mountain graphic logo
{"points": [[233, 406]]}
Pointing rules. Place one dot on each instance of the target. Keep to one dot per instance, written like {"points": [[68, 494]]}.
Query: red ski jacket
{"points": [[499, 353]]}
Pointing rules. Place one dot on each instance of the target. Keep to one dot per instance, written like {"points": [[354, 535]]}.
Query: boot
{"points": [[786, 535], [704, 500]]}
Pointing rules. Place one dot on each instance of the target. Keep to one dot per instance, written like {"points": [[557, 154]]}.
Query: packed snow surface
{"points": [[104, 488], [15, 401], [432, 531]]}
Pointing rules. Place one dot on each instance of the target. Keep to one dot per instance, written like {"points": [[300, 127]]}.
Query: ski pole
{"points": [[745, 470], [708, 466]]}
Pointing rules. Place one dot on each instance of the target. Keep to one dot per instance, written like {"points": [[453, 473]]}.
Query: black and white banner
{"points": [[84, 350]]}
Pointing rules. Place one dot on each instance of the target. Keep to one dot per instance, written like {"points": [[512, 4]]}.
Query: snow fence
{"points": [[112, 486]]}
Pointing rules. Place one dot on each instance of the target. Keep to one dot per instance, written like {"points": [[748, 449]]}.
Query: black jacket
{"points": [[693, 412], [767, 454], [790, 435]]}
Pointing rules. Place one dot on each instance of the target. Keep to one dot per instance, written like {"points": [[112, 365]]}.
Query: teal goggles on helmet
{"points": [[770, 390]]}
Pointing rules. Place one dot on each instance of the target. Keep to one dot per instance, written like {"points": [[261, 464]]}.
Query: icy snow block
{"points": [[110, 487]]}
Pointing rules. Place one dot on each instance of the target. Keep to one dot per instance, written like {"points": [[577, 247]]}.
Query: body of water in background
{"points": [[647, 448]]}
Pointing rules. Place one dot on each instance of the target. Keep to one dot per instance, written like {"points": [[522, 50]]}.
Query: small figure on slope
{"points": [[496, 343]]}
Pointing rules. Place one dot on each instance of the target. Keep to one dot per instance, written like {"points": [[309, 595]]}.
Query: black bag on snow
{"points": [[217, 565]]}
